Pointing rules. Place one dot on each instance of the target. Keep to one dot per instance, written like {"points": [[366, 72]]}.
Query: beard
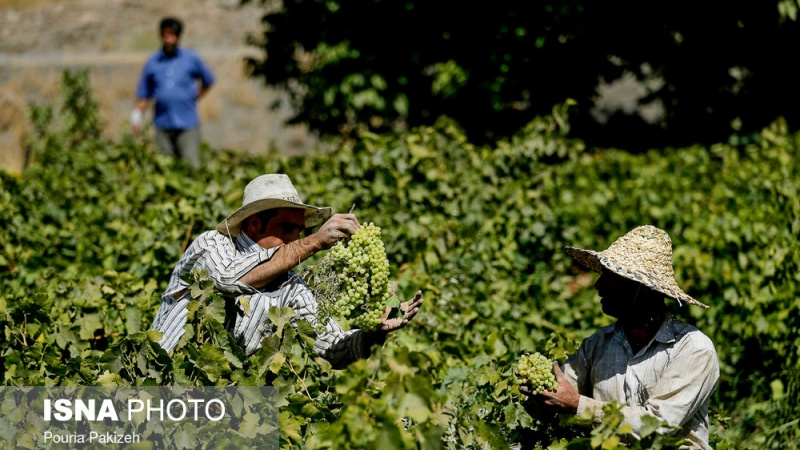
{"points": [[169, 49]]}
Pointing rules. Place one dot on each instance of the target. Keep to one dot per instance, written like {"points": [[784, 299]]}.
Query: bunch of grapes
{"points": [[357, 288], [536, 370]]}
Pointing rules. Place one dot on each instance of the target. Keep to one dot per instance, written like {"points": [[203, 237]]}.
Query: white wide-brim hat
{"points": [[644, 255], [270, 191]]}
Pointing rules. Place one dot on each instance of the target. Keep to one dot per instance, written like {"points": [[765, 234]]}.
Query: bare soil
{"points": [[112, 38]]}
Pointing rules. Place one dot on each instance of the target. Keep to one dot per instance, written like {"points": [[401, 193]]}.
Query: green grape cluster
{"points": [[536, 370], [363, 278]]}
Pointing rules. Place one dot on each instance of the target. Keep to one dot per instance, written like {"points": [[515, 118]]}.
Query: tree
{"points": [[717, 69]]}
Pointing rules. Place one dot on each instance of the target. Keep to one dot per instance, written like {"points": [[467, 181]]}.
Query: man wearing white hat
{"points": [[251, 254], [648, 361]]}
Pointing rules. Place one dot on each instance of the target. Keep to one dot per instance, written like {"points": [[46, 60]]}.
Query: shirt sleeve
{"points": [[683, 389], [203, 73], [225, 265], [144, 89], [337, 346]]}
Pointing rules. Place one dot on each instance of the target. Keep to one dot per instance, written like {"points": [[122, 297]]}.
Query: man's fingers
{"points": [[410, 314], [525, 390], [342, 225], [334, 230], [410, 309], [353, 218], [415, 302], [338, 234], [347, 222], [386, 313], [393, 324], [557, 370]]}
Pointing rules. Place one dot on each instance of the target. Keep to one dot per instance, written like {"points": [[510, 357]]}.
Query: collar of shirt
{"points": [[162, 55], [246, 245], [666, 332]]}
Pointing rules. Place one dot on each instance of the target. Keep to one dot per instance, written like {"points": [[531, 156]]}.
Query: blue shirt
{"points": [[172, 82]]}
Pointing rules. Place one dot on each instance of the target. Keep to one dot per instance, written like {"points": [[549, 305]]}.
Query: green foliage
{"points": [[788, 9], [92, 230], [613, 432], [355, 65]]}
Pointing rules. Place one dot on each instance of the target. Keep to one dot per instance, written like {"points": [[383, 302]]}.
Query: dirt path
{"points": [[112, 38]]}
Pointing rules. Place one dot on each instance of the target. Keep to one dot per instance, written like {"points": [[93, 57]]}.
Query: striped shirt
{"points": [[226, 261], [671, 378]]}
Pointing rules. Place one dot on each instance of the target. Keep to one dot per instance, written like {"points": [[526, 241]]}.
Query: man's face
{"points": [[281, 229], [169, 40], [618, 295]]}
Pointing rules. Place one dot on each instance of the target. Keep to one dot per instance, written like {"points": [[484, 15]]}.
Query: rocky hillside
{"points": [[112, 38]]}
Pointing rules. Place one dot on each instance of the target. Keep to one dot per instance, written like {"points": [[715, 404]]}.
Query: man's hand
{"points": [[339, 226], [409, 309], [136, 121], [137, 115], [563, 399]]}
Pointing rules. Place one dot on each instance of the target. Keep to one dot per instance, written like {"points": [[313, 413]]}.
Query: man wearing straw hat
{"points": [[648, 361], [251, 254]]}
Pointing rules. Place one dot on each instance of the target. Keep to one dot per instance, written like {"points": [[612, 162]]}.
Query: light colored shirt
{"points": [[226, 261], [671, 378]]}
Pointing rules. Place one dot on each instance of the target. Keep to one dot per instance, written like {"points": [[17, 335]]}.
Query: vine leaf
{"points": [[279, 317]]}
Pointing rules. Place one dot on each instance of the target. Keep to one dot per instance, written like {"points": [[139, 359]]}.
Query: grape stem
{"points": [[302, 380]]}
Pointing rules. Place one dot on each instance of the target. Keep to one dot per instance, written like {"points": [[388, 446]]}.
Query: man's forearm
{"points": [[373, 338], [284, 260]]}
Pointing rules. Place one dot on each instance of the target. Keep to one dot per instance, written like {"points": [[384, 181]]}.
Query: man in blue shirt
{"points": [[175, 78]]}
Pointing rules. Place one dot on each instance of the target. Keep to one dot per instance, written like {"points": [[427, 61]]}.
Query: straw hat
{"points": [[644, 255], [268, 192]]}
